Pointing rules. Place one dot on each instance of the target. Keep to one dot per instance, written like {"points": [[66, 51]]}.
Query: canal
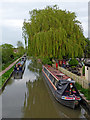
{"points": [[30, 97]]}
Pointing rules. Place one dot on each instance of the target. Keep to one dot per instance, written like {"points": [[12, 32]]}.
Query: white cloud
{"points": [[84, 23], [15, 11], [12, 23], [83, 18], [0, 36], [44, 0]]}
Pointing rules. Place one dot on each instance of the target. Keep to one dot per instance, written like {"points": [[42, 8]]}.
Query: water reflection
{"points": [[66, 111], [37, 102], [30, 97]]}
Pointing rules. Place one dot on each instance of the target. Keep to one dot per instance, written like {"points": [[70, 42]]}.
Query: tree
{"points": [[73, 62], [87, 48], [7, 52], [20, 47], [0, 58], [19, 44], [52, 32]]}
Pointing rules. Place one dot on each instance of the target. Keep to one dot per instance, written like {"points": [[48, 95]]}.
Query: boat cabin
{"points": [[19, 65], [62, 83]]}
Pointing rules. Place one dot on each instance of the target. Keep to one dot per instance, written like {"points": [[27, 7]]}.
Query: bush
{"points": [[47, 61], [83, 70], [72, 66], [78, 86], [73, 62], [86, 92]]}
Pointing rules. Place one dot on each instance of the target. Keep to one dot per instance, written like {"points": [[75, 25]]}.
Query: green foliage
{"points": [[7, 55], [7, 52], [87, 48], [20, 48], [46, 61], [52, 32], [86, 92], [73, 66], [19, 44], [21, 51], [35, 66], [79, 87], [83, 70], [8, 63], [0, 58], [73, 62], [5, 76]]}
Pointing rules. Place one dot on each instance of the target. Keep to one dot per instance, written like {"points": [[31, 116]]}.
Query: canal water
{"points": [[30, 97]]}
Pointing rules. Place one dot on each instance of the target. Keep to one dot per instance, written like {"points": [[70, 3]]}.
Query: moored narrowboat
{"points": [[62, 87], [23, 59], [19, 69]]}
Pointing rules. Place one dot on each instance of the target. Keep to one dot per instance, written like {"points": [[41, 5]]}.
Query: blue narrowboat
{"points": [[62, 87], [23, 59], [19, 69]]}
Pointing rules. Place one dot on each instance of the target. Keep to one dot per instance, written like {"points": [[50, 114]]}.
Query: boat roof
{"points": [[20, 62], [65, 80], [58, 74]]}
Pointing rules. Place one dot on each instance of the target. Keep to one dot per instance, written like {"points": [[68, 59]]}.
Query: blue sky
{"points": [[13, 13]]}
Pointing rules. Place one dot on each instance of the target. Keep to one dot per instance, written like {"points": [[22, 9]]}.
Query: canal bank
{"points": [[30, 97], [6, 81], [6, 74]]}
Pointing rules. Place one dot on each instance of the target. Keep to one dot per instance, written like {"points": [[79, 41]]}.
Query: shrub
{"points": [[78, 86], [47, 61], [83, 70], [73, 62], [73, 67], [86, 92]]}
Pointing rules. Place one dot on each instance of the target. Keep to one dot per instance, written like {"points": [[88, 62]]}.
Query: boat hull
{"points": [[69, 103]]}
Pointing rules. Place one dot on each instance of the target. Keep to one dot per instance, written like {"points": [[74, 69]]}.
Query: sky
{"points": [[13, 13]]}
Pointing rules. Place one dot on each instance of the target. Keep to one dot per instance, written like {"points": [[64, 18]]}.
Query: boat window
{"points": [[63, 83], [59, 87], [60, 76], [51, 77], [45, 70], [48, 74], [55, 82]]}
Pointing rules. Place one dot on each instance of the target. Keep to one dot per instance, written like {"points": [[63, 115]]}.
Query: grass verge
{"points": [[6, 75], [84, 91]]}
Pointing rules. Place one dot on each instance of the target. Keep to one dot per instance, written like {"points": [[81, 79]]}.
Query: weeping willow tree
{"points": [[52, 32]]}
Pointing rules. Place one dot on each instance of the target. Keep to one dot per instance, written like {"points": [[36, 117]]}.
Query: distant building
{"points": [[15, 50]]}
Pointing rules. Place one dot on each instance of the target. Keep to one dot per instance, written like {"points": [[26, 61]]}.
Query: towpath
{"points": [[2, 72]]}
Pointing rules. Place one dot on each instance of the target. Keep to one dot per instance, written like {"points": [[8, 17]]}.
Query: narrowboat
{"points": [[62, 87], [23, 59], [19, 69]]}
